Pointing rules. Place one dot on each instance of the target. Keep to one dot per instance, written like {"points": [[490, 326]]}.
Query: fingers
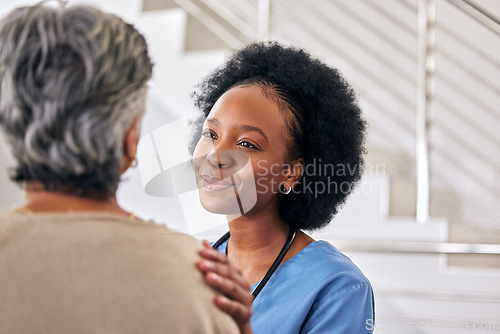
{"points": [[230, 288], [218, 263], [226, 272], [239, 311], [212, 254]]}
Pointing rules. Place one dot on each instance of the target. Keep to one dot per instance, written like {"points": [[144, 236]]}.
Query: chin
{"points": [[222, 205]]}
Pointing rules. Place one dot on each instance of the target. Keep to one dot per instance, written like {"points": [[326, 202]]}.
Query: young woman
{"points": [[278, 150]]}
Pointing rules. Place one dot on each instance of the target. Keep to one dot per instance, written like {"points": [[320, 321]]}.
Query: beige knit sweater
{"points": [[101, 273]]}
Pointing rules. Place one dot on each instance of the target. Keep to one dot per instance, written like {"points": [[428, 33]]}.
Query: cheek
{"points": [[267, 177], [268, 170], [200, 152], [260, 168]]}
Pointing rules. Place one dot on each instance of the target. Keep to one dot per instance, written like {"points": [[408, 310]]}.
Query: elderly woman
{"points": [[72, 94], [278, 150]]}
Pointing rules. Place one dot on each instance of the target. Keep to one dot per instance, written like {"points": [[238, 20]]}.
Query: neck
{"points": [[249, 235], [255, 242], [51, 201]]}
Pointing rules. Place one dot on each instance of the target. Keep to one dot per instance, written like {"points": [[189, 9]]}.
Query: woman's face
{"points": [[240, 157]]}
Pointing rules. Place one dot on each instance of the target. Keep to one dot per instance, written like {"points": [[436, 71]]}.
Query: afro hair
{"points": [[331, 132]]}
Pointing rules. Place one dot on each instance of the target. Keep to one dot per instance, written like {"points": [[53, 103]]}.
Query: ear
{"points": [[131, 142], [294, 172]]}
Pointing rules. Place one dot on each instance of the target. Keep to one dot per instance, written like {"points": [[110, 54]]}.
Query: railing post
{"points": [[425, 100], [263, 22]]}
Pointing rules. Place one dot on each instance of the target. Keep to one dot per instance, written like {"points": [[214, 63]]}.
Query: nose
{"points": [[220, 159]]}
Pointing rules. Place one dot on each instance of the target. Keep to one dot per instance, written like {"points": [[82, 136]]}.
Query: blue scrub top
{"points": [[318, 290]]}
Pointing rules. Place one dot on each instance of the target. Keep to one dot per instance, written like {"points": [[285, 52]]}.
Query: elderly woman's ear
{"points": [[131, 141]]}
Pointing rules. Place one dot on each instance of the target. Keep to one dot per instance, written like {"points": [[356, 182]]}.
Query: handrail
{"points": [[409, 5], [480, 14], [401, 122], [471, 148], [357, 64], [470, 71], [416, 247], [440, 295], [473, 98], [377, 30], [437, 147], [476, 178], [459, 38], [264, 16], [404, 173], [347, 11], [380, 9], [444, 151], [477, 232], [320, 14], [245, 10], [480, 235], [218, 7], [483, 215], [426, 68], [480, 215], [190, 7]]}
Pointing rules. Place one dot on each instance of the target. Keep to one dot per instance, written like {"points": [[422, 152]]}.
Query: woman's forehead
{"points": [[247, 104]]}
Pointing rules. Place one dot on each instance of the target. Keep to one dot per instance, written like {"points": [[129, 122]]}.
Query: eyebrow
{"points": [[243, 127], [214, 121], [252, 128]]}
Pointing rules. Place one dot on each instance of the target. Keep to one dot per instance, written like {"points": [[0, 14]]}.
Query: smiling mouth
{"points": [[215, 184]]}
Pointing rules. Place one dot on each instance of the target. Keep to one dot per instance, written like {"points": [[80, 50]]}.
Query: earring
{"points": [[134, 163], [286, 189]]}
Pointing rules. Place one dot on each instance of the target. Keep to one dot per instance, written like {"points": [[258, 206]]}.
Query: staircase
{"points": [[437, 277], [375, 46]]}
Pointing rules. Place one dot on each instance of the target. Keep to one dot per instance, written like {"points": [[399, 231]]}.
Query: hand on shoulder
{"points": [[235, 298]]}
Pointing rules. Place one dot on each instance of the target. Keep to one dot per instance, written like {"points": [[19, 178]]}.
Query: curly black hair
{"points": [[330, 134]]}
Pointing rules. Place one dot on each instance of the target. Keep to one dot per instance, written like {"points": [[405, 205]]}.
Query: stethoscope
{"points": [[274, 266]]}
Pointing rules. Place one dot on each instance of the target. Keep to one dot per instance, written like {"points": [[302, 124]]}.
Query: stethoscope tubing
{"points": [[274, 266]]}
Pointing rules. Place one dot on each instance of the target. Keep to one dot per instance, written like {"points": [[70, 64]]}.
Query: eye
{"points": [[208, 134], [247, 144]]}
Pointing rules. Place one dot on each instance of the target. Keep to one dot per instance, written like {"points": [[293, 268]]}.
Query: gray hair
{"points": [[72, 79]]}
